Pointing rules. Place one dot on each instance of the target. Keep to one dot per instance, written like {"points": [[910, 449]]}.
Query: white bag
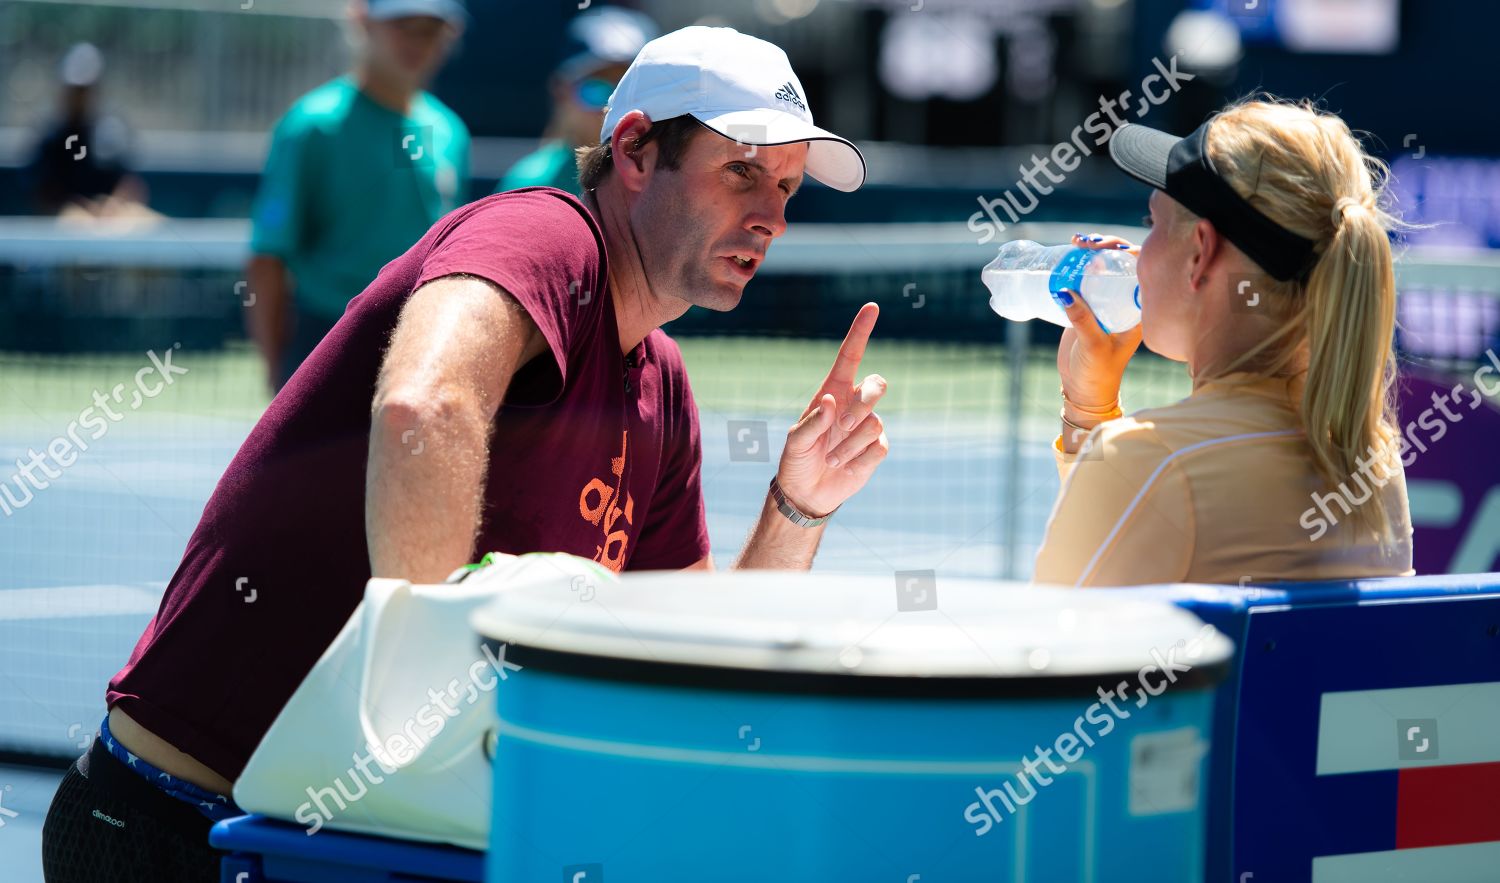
{"points": [[391, 733]]}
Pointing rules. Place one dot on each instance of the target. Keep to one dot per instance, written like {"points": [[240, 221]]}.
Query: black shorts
{"points": [[110, 825]]}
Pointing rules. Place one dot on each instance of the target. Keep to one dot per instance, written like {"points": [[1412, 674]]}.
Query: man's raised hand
{"points": [[834, 447]]}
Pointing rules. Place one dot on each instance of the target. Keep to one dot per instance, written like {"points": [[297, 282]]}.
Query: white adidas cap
{"points": [[739, 86]]}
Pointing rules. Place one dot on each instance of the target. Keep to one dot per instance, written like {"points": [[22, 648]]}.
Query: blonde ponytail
{"points": [[1306, 171], [1351, 316]]}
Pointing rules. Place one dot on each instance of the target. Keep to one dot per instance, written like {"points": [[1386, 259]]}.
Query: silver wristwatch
{"points": [[792, 513]]}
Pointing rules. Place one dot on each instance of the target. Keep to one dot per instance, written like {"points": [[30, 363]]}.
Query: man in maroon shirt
{"points": [[503, 385]]}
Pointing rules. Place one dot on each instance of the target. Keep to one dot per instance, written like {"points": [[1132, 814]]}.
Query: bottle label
{"points": [[1069, 271]]}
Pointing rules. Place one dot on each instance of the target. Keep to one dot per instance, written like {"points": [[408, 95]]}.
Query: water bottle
{"points": [[1024, 275]]}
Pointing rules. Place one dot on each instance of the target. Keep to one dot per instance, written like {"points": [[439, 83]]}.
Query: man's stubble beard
{"points": [[684, 269]]}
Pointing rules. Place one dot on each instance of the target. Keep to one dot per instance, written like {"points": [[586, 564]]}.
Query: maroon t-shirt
{"points": [[593, 452]]}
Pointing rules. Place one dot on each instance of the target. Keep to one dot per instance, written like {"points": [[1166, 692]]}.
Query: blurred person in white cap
{"points": [[357, 170], [78, 167], [598, 47], [503, 386]]}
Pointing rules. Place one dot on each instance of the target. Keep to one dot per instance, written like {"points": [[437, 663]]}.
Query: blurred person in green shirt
{"points": [[359, 169], [78, 168], [598, 47]]}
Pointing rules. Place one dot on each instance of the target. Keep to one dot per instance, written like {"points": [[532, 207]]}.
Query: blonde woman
{"points": [[1268, 272]]}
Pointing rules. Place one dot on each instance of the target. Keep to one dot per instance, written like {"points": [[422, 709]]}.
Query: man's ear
{"points": [[633, 162]]}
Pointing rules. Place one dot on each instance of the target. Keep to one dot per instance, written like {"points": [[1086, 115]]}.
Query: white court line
{"points": [[80, 601]]}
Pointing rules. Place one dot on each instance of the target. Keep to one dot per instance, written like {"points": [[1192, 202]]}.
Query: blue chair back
{"points": [[1360, 724]]}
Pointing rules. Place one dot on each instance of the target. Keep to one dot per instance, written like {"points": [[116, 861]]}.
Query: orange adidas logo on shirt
{"points": [[598, 504]]}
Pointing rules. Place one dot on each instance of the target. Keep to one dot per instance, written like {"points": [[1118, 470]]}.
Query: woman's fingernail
{"points": [[1123, 245], [846, 421], [1096, 239], [1063, 297], [832, 460]]}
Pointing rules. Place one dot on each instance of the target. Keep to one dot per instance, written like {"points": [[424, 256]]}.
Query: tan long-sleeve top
{"points": [[1217, 488]]}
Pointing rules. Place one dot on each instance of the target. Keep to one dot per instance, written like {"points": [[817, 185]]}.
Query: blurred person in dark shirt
{"points": [[78, 166]]}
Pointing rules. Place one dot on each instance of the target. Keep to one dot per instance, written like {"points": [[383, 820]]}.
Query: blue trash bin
{"points": [[757, 726]]}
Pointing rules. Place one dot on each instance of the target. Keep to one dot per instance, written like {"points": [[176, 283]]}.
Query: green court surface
{"points": [[758, 376], [967, 487], [968, 484]]}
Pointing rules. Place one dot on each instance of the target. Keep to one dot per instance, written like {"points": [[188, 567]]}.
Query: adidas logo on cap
{"points": [[788, 93]]}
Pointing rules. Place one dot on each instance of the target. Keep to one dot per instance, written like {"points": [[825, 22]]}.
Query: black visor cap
{"points": [[1180, 168]]}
